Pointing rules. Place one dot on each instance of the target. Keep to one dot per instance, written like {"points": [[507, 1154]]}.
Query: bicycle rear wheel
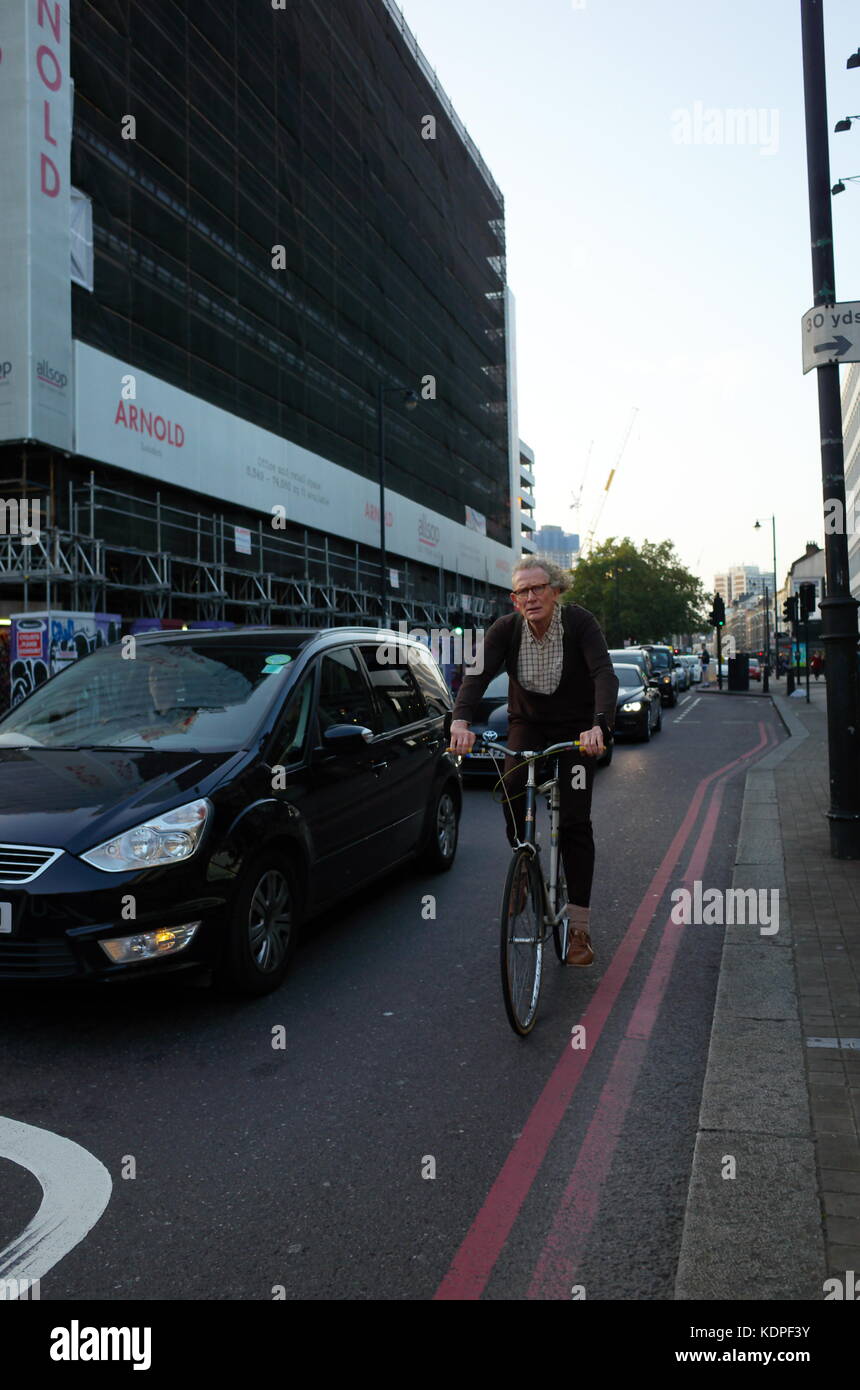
{"points": [[522, 941]]}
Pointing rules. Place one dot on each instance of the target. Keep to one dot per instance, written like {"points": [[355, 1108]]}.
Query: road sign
{"points": [[831, 333]]}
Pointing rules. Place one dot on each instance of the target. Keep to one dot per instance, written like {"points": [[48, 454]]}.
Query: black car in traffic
{"points": [[639, 709], [190, 799]]}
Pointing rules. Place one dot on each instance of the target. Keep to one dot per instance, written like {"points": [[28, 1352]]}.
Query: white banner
{"points": [[135, 421], [35, 288]]}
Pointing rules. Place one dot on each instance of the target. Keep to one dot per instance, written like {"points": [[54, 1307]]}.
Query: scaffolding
{"points": [[149, 557]]}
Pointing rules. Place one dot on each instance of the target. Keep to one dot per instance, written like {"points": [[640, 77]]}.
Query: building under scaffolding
{"points": [[248, 220]]}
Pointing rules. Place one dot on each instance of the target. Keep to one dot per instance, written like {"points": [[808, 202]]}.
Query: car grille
{"points": [[23, 863], [45, 960]]}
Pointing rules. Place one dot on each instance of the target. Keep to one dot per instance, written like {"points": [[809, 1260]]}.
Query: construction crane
{"points": [[589, 540], [577, 497]]}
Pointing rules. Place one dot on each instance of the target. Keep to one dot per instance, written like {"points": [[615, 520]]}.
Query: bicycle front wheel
{"points": [[561, 929], [522, 941]]}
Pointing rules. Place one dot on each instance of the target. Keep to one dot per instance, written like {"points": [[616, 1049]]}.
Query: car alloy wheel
{"points": [[441, 847], [270, 921]]}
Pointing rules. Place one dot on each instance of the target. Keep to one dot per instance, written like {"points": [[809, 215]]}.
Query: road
{"points": [[302, 1169]]}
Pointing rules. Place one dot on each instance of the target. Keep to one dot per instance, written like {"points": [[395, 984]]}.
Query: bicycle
{"points": [[529, 893]]}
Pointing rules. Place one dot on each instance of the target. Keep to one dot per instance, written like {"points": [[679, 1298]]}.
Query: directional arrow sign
{"points": [[831, 333]]}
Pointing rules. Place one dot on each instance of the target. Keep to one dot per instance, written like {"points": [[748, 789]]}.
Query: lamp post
{"points": [[839, 608], [757, 527], [410, 401]]}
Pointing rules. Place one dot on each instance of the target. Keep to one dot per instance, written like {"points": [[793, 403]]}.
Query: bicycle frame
{"points": [[553, 911]]}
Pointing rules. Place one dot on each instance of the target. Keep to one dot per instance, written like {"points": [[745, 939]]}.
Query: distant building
{"points": [[525, 492], [562, 547], [742, 581]]}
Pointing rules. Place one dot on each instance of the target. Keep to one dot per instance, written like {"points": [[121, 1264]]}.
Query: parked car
{"points": [[639, 709], [666, 672], [694, 666], [193, 806], [754, 668], [492, 715]]}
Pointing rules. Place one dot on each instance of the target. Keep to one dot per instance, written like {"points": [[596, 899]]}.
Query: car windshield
{"points": [[184, 696], [628, 675], [659, 658]]}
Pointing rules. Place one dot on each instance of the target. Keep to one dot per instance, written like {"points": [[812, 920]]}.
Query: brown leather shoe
{"points": [[579, 948]]}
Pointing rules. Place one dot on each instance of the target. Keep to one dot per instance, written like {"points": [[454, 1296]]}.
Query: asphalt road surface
{"points": [[404, 1143]]}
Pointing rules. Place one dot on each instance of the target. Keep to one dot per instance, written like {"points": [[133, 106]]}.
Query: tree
{"points": [[641, 592]]}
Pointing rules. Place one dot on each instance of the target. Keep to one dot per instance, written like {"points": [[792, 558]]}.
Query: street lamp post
{"points": [[410, 400], [757, 527], [839, 608]]}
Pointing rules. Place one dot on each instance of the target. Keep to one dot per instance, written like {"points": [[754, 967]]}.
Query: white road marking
{"points": [[76, 1188], [687, 711]]}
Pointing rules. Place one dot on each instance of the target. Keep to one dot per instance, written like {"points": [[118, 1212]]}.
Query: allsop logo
{"points": [[76, 1343], [5, 371], [51, 377], [428, 532], [21, 518]]}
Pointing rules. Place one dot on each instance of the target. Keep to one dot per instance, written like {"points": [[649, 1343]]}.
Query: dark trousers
{"points": [[576, 838]]}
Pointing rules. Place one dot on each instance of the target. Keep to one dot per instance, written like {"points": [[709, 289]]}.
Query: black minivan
{"points": [[185, 799]]}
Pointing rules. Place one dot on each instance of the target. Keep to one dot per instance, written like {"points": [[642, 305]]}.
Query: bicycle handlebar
{"points": [[517, 753]]}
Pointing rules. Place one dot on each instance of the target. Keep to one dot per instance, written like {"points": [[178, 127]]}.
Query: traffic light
{"points": [[807, 599], [718, 615], [789, 609]]}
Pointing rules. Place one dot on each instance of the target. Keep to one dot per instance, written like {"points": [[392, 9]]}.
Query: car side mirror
{"points": [[346, 738]]}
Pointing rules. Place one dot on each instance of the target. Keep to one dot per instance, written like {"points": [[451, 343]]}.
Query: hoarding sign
{"points": [[173, 437], [35, 287]]}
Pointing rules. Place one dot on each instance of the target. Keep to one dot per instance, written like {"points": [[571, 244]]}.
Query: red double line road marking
{"points": [[577, 1210], [485, 1239]]}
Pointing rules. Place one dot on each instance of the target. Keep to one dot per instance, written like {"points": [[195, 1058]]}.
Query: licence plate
{"points": [[6, 918]]}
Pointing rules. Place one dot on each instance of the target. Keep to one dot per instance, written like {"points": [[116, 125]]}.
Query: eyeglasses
{"points": [[535, 589]]}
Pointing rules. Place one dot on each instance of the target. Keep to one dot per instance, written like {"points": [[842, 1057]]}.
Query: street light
{"points": [[844, 124], [409, 399], [757, 527]]}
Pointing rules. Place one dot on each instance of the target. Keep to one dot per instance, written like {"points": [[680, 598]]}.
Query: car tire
{"points": [[441, 847], [673, 699], [257, 949], [645, 736], [607, 756], [658, 726]]}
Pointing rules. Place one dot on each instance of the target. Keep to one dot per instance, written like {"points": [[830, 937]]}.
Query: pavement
{"points": [[773, 1208]]}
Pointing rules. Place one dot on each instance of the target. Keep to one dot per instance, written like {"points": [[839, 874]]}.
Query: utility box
{"points": [[739, 673]]}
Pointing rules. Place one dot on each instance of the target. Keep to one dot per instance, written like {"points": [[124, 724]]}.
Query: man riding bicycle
{"points": [[562, 686]]}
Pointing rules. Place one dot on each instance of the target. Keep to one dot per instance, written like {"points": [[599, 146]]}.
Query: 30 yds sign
{"points": [[831, 333]]}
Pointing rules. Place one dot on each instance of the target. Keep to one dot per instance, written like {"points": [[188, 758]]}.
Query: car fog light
{"points": [[149, 944]]}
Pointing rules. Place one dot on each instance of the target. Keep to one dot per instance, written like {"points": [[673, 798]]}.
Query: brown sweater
{"points": [[588, 686]]}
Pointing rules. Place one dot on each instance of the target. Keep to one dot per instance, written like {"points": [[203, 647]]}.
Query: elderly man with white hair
{"points": [[562, 686]]}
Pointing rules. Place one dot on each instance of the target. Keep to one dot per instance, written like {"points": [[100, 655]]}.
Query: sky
{"points": [[659, 254]]}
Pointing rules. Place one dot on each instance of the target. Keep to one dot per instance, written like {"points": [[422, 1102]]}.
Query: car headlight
{"points": [[167, 839], [667, 680], [633, 705]]}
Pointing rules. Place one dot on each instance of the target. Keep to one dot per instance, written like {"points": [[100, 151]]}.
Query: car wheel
{"points": [[263, 929], [658, 726], [438, 854], [645, 736], [673, 699], [607, 756]]}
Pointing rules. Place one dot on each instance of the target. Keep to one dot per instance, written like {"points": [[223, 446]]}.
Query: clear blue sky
{"points": [[653, 273]]}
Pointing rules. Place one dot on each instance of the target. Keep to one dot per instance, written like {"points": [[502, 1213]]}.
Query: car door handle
{"points": [[377, 767]]}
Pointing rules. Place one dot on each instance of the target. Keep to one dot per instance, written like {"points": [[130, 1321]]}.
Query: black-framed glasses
{"points": [[532, 589]]}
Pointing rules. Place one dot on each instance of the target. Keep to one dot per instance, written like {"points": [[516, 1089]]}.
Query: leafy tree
{"points": [[639, 592]]}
